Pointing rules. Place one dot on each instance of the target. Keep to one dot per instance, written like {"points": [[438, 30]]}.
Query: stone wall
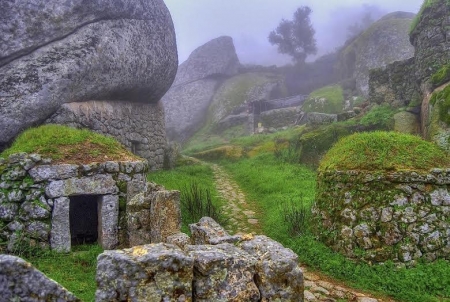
{"points": [[210, 266], [35, 198], [138, 126], [279, 118], [394, 84], [375, 217]]}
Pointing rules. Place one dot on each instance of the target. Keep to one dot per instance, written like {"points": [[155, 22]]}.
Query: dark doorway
{"points": [[83, 215]]}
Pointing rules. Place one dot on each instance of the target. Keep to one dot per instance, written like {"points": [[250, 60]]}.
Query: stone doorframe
{"points": [[108, 209]]}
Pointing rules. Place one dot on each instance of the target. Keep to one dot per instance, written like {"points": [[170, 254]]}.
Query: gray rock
{"points": [[95, 185], [208, 231], [180, 239], [79, 51], [154, 272], [8, 211], [49, 172], [440, 197], [20, 281], [187, 101], [223, 273], [165, 215], [109, 213], [60, 232], [317, 118], [35, 210], [15, 196], [38, 230], [278, 275]]}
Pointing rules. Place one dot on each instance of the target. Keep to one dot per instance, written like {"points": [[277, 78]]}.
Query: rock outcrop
{"points": [[52, 53], [413, 83], [212, 269], [382, 43], [20, 281], [187, 102]]}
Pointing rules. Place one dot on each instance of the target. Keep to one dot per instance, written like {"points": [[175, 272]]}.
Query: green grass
{"points": [[271, 183], [384, 151], [380, 115], [441, 76], [66, 144], [333, 103], [441, 99], [181, 179], [75, 271]]}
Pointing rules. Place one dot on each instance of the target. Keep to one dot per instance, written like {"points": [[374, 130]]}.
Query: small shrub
{"points": [[296, 215], [287, 151], [196, 203], [381, 116]]}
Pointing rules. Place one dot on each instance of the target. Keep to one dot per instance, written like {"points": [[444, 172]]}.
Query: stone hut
{"points": [[59, 205], [385, 214]]}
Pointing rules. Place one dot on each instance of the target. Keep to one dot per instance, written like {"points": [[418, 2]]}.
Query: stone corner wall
{"points": [[394, 84], [381, 216], [210, 266]]}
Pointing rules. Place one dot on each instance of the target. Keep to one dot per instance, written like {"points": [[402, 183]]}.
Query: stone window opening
{"points": [[135, 147], [83, 219]]}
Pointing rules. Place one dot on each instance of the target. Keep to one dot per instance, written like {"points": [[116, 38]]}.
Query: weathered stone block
{"points": [[49, 172], [60, 233], [96, 185], [180, 239], [223, 273], [154, 272], [165, 214], [208, 231], [108, 221], [20, 281], [278, 275]]}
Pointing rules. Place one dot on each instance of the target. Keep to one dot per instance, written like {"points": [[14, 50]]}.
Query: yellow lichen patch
{"points": [[139, 251]]}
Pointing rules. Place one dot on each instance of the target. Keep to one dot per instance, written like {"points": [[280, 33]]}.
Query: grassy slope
{"points": [[333, 103]]}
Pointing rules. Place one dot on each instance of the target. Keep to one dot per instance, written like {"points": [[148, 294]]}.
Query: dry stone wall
{"points": [[210, 266], [35, 198], [375, 217]]}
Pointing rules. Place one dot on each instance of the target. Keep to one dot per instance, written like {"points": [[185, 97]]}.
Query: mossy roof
{"points": [[384, 151], [69, 145]]}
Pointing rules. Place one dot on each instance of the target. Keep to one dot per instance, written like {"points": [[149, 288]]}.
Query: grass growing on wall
{"points": [[380, 150], [68, 145]]}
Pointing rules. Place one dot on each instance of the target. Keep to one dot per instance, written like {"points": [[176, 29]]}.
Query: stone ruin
{"points": [[401, 216], [58, 205], [210, 266]]}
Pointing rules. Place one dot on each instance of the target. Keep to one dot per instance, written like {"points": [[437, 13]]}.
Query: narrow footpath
{"points": [[242, 218]]}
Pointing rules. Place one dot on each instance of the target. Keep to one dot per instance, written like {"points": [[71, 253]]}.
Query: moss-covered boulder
{"points": [[384, 196], [438, 118]]}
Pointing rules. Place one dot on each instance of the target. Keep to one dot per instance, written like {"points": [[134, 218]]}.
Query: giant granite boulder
{"points": [[187, 102], [382, 43], [54, 52]]}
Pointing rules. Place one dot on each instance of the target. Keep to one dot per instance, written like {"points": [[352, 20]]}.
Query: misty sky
{"points": [[249, 22]]}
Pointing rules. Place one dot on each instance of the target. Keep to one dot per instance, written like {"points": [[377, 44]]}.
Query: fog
{"points": [[249, 22]]}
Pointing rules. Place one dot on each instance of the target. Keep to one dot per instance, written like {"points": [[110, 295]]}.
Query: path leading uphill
{"points": [[243, 218]]}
